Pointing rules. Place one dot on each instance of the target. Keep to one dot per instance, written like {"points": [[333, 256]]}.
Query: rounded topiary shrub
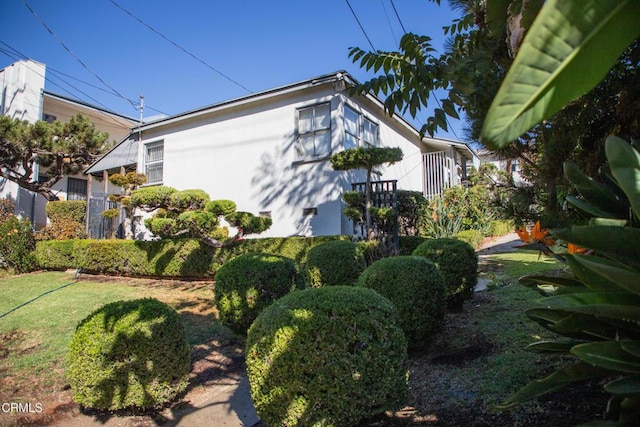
{"points": [[415, 286], [335, 263], [245, 285], [129, 354], [458, 263], [328, 356]]}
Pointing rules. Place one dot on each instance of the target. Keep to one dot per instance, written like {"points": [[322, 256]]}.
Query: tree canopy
{"points": [[57, 148]]}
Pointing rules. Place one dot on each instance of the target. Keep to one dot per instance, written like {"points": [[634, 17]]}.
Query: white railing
{"points": [[441, 170]]}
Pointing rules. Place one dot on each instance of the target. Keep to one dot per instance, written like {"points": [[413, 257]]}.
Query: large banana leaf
{"points": [[624, 161], [608, 355], [556, 381], [619, 276], [599, 200], [574, 325], [591, 279], [620, 243], [567, 51]]}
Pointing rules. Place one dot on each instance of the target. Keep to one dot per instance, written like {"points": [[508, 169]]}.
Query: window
{"points": [[154, 162], [49, 118], [76, 189], [359, 131], [314, 132]]}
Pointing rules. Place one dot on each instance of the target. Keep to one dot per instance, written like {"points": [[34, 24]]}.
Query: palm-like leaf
{"points": [[568, 50]]}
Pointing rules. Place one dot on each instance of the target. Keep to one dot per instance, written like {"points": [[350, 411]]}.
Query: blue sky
{"points": [[253, 45]]}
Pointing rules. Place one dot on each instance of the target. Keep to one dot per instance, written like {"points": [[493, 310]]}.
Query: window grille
{"points": [[154, 162]]}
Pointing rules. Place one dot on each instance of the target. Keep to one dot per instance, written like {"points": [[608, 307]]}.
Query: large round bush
{"points": [[129, 354], [334, 263], [328, 356], [415, 286], [458, 263], [248, 283]]}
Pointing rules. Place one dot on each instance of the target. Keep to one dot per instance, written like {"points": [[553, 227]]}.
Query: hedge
{"points": [[500, 227], [164, 258], [472, 237]]}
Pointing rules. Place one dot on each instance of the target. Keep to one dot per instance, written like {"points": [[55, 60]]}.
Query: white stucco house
{"points": [[269, 152], [23, 96]]}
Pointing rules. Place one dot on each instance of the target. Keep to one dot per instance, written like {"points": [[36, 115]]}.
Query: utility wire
{"points": [[44, 24], [360, 25], [389, 22], [16, 55], [180, 47], [398, 16]]}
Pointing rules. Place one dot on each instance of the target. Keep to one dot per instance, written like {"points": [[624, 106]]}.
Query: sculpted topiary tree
{"points": [[368, 159], [190, 213], [128, 182]]}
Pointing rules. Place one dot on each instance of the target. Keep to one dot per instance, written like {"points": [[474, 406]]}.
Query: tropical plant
{"points": [[366, 158], [441, 220], [568, 50], [596, 307]]}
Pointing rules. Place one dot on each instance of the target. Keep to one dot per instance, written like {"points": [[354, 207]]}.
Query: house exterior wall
{"points": [[22, 96], [248, 155]]}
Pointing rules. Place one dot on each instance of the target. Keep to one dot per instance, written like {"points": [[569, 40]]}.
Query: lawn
{"points": [[476, 361], [34, 337]]}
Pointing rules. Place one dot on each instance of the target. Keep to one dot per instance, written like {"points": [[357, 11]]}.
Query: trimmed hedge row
{"points": [[166, 258]]}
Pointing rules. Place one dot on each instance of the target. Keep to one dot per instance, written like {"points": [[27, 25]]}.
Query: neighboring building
{"points": [[269, 152], [510, 166], [22, 96]]}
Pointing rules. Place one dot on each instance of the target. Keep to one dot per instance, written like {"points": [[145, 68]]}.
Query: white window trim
{"points": [[361, 120], [299, 157], [147, 162]]}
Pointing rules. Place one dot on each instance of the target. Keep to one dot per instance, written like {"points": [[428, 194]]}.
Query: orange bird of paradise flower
{"points": [[538, 238]]}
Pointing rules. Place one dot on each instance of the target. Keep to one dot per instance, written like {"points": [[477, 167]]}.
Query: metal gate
{"points": [[100, 227], [384, 194]]}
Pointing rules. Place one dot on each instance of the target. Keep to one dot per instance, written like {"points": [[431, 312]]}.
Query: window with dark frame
{"points": [[314, 132], [76, 189]]}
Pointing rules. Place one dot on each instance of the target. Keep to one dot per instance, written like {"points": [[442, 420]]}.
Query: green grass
{"points": [[34, 337], [497, 320]]}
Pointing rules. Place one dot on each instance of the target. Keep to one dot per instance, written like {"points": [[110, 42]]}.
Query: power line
{"points": [[360, 25], [44, 24], [180, 47], [389, 22], [398, 16], [16, 55]]}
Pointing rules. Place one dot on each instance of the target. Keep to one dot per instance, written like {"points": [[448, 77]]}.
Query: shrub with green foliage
{"points": [[416, 288], [334, 263], [412, 212], [409, 243], [458, 263], [67, 220], [500, 227], [17, 244], [472, 237], [247, 284], [329, 356], [167, 258], [129, 354], [72, 209]]}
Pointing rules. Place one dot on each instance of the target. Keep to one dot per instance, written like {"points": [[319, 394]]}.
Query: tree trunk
{"points": [[367, 206]]}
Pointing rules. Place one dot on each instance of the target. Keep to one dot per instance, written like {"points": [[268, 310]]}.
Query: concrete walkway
{"points": [[500, 245]]}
